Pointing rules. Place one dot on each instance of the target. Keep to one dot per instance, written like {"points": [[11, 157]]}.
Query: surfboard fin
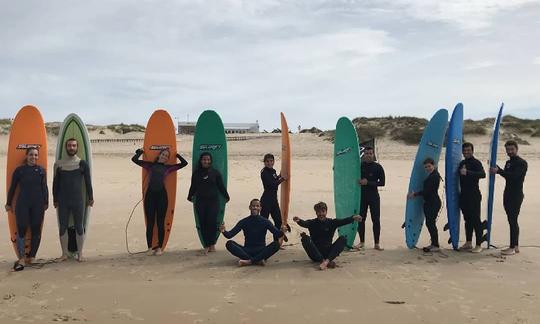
{"points": [[446, 227], [449, 240], [403, 225], [484, 225], [484, 238]]}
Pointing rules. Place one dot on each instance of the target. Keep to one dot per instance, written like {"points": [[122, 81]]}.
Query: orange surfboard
{"points": [[285, 193], [160, 133], [27, 130]]}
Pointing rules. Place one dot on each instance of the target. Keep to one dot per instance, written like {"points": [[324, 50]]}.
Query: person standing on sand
{"points": [[271, 181], [432, 202], [156, 199], [372, 178], [318, 245], [255, 251], [206, 185], [514, 173], [470, 172], [32, 202], [69, 174]]}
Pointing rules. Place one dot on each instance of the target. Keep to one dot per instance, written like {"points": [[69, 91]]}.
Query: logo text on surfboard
{"points": [[159, 147], [209, 147], [435, 145], [343, 151], [27, 146]]}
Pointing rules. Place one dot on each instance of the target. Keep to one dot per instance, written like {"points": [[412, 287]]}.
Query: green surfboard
{"points": [[210, 137], [73, 127], [346, 175]]}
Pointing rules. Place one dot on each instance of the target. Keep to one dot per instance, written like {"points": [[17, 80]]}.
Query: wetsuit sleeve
{"points": [[274, 230], [269, 182], [221, 186], [517, 173], [87, 180], [303, 223], [381, 179], [56, 183], [14, 182], [477, 171], [44, 187], [175, 167], [235, 230], [340, 222], [192, 187], [141, 163]]}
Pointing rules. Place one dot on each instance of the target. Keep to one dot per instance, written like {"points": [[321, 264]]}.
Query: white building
{"points": [[230, 128]]}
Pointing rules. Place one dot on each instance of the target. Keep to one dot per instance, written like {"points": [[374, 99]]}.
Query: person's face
{"points": [[429, 167], [32, 157], [164, 156], [255, 207], [269, 163], [71, 148], [206, 161], [321, 214], [368, 156], [467, 152], [511, 150]]}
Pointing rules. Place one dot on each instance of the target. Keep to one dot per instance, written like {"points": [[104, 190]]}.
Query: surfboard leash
{"points": [[127, 226]]}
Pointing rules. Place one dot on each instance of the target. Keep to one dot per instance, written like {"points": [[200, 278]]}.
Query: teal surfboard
{"points": [[430, 146], [346, 175], [73, 127], [493, 147], [454, 140], [210, 137]]}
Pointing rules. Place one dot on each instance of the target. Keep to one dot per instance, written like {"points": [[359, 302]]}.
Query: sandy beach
{"points": [[397, 284]]}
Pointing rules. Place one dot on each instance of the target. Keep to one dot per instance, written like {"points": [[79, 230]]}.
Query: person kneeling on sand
{"points": [[319, 246], [255, 250]]}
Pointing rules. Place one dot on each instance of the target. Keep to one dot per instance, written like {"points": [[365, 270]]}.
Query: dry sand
{"points": [[181, 287]]}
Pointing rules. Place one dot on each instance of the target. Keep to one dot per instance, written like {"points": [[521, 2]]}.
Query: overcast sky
{"points": [[116, 61]]}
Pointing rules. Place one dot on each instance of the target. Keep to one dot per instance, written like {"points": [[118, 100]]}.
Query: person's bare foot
{"points": [[62, 258], [212, 248], [324, 265], [159, 251], [150, 252], [243, 263], [378, 247], [516, 249], [204, 251], [359, 246], [508, 251], [332, 265], [29, 261], [80, 258]]}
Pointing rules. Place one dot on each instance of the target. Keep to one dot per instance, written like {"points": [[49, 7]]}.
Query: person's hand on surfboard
{"points": [[222, 228], [357, 218], [139, 151], [91, 203], [494, 169], [411, 195], [362, 182], [463, 170], [8, 208], [296, 219]]}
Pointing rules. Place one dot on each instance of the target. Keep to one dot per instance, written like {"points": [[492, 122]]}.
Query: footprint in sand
{"points": [[125, 313], [230, 298]]}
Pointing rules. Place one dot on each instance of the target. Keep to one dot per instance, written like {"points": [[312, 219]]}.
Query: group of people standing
{"points": [[72, 174], [470, 172]]}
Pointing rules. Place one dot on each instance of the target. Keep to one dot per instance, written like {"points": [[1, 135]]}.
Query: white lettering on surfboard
{"points": [[209, 147], [27, 146], [159, 147], [433, 144], [343, 151]]}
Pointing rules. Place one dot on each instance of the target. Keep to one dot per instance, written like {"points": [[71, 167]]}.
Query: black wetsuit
{"points": [[206, 184], [156, 200], [374, 173], [432, 204], [470, 197], [29, 210], [67, 194], [318, 245], [269, 202], [255, 248], [514, 173]]}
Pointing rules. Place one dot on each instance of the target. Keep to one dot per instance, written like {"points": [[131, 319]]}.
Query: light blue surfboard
{"points": [[491, 180], [454, 140], [430, 146]]}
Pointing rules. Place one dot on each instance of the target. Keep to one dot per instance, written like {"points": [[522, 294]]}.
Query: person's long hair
{"points": [[161, 151]]}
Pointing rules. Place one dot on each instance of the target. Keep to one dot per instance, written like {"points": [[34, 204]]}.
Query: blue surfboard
{"points": [[430, 146], [454, 139], [491, 180]]}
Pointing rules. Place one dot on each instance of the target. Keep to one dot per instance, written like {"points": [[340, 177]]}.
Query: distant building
{"points": [[230, 128]]}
